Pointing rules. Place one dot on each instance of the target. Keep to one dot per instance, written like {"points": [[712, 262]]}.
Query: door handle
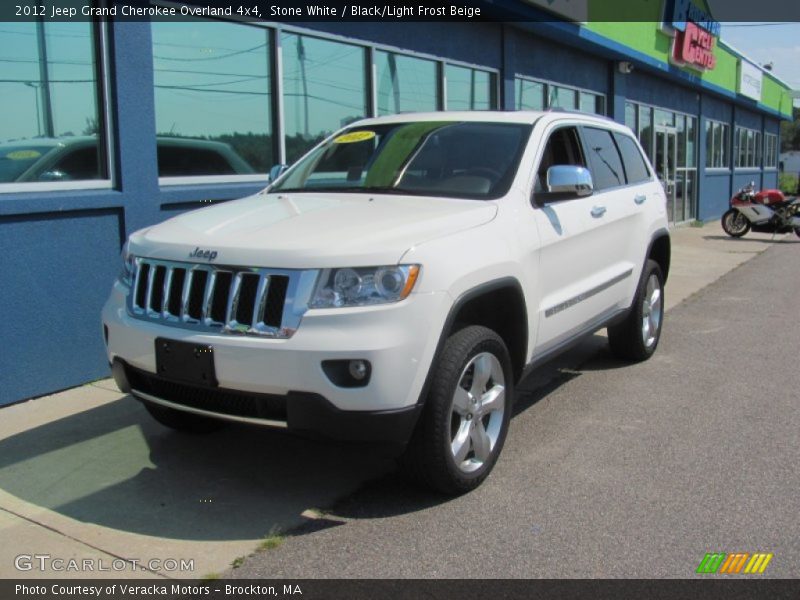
{"points": [[598, 211], [640, 199]]}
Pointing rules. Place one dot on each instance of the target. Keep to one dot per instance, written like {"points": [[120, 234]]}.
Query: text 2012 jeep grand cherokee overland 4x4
{"points": [[396, 282]]}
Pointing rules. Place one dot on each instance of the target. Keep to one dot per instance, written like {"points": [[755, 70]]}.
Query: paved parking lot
{"points": [[612, 470], [629, 469]]}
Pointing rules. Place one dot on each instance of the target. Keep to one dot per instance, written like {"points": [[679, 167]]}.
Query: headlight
{"points": [[363, 286], [128, 266]]}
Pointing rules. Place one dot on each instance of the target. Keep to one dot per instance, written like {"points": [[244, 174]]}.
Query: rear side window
{"points": [[79, 164], [636, 169], [606, 164], [175, 161]]}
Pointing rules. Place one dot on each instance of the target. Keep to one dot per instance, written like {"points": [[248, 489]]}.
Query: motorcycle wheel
{"points": [[797, 231], [735, 224]]}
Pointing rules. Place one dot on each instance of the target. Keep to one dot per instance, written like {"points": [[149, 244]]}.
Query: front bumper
{"points": [[299, 412], [396, 339]]}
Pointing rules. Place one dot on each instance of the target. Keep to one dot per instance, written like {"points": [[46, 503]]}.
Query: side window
{"points": [[606, 165], [176, 161], [563, 148], [78, 164], [636, 169]]}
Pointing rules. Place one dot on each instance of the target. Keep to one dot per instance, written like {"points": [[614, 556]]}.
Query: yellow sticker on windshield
{"points": [[23, 154], [355, 136]]}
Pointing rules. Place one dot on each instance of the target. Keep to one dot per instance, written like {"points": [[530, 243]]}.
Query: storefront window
{"points": [[669, 138], [538, 95], [469, 89], [52, 126], [324, 89], [748, 148], [717, 136], [592, 103], [646, 130], [770, 150], [212, 98], [630, 115], [529, 95], [405, 84], [664, 118], [680, 127], [561, 97], [691, 133]]}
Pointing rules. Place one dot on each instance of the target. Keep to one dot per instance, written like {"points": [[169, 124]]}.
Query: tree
{"points": [[790, 132]]}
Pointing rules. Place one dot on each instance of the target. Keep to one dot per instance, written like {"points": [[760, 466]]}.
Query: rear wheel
{"points": [[636, 338], [735, 224], [465, 419], [182, 421]]}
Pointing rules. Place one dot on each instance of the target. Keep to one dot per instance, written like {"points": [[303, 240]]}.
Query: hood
{"points": [[296, 231]]}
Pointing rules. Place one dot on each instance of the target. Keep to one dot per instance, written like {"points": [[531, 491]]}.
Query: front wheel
{"points": [[464, 423], [734, 223], [797, 231], [636, 338]]}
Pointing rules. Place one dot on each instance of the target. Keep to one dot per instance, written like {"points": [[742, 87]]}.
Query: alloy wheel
{"points": [[652, 311], [477, 414]]}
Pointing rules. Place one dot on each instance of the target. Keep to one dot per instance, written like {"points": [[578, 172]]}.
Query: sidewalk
{"points": [[87, 475]]}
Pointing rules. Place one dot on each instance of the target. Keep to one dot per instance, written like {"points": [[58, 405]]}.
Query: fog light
{"points": [[348, 373], [358, 369]]}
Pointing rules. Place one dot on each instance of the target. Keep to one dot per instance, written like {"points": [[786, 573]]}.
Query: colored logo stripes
{"points": [[735, 563]]}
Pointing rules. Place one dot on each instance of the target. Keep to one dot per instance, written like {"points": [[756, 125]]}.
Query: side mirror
{"points": [[567, 181], [276, 171]]}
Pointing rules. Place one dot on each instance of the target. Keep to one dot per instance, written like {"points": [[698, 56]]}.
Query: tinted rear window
{"points": [[176, 161], [636, 169], [604, 159]]}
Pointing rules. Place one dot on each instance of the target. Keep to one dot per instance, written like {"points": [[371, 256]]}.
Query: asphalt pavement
{"points": [[609, 469]]}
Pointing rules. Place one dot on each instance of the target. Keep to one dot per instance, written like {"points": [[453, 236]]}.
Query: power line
{"points": [[220, 57]]}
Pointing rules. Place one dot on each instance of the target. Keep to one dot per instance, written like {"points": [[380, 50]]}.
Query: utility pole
{"points": [[301, 55], [44, 76], [394, 80]]}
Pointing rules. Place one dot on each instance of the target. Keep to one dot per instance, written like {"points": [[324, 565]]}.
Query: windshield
{"points": [[14, 161], [425, 158]]}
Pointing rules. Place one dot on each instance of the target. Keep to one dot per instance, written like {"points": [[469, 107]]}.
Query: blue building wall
{"points": [[61, 249], [649, 89]]}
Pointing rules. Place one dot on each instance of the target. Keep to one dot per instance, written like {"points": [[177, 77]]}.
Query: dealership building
{"points": [[109, 127]]}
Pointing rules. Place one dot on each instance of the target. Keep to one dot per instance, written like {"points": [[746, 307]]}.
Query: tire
{"points": [[735, 224], [182, 421], [797, 231], [464, 422], [636, 338]]}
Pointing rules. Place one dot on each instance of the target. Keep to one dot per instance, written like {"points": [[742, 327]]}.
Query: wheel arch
{"points": [[660, 250], [499, 305]]}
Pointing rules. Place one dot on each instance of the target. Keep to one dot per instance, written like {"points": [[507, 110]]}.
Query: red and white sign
{"points": [[694, 47]]}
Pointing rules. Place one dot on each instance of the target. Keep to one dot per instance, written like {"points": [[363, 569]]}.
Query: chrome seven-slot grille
{"points": [[196, 296]]}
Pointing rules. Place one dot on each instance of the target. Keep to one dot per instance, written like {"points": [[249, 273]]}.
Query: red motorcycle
{"points": [[767, 211]]}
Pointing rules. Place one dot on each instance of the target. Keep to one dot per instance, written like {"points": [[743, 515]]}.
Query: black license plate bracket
{"points": [[186, 362]]}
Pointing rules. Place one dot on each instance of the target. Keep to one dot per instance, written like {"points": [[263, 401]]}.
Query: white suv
{"points": [[396, 282]]}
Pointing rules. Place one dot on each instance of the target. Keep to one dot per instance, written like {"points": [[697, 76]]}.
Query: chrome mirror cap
{"points": [[569, 179]]}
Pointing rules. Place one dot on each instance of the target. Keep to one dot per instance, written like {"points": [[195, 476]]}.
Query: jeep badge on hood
{"points": [[209, 255]]}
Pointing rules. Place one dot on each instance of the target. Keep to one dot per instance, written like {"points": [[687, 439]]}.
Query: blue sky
{"points": [[778, 43]]}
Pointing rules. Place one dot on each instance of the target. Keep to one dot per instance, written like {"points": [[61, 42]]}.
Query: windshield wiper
{"points": [[346, 189]]}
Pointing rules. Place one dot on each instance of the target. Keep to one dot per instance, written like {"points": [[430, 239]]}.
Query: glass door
{"points": [[666, 160]]}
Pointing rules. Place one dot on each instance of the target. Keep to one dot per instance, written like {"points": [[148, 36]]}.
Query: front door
{"points": [[666, 162]]}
